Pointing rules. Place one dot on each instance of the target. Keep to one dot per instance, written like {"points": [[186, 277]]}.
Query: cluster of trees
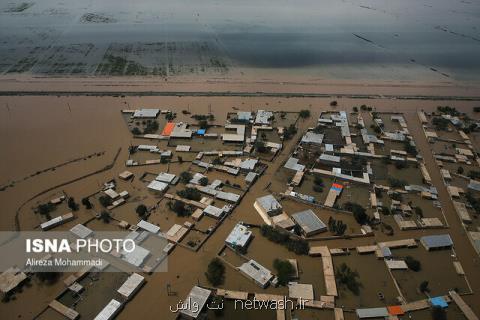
{"points": [[86, 202], [473, 174], [413, 264], [141, 210], [105, 216], [72, 204], [318, 183], [359, 212], [185, 177], [46, 208], [365, 108], [440, 123], [170, 116], [260, 147], [348, 278], [474, 201], [304, 113], [180, 208], [397, 183], [336, 226], [409, 148], [203, 181], [215, 272], [448, 110], [285, 271], [105, 201], [289, 132], [190, 193], [151, 127], [299, 246]]}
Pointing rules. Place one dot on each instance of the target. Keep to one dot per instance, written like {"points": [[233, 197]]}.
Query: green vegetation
{"points": [[136, 131], [289, 132], [141, 210], [397, 183], [203, 181], [190, 193], [413, 264], [304, 114], [476, 109], [86, 202], [185, 177], [105, 216], [473, 174], [333, 103], [474, 201], [298, 246], [423, 287], [348, 278], [318, 183], [285, 271], [448, 110], [440, 123], [105, 201], [72, 204], [180, 208], [152, 127], [48, 277], [260, 147], [438, 313], [355, 109], [215, 272], [336, 226], [410, 149], [46, 208], [460, 170], [358, 211], [419, 212]]}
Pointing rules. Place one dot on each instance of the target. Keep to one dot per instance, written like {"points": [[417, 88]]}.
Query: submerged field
{"points": [[436, 42]]}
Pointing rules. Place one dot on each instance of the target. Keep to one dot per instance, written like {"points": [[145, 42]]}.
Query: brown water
{"points": [[38, 132]]}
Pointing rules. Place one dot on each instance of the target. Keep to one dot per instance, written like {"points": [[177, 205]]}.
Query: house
{"points": [[436, 242], [268, 205], [145, 113], [133, 283], [157, 186], [110, 310], [195, 302], [312, 138], [239, 237], [258, 273], [309, 223]]}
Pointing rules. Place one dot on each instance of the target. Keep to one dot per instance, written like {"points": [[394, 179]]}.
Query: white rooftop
{"points": [[239, 236]]}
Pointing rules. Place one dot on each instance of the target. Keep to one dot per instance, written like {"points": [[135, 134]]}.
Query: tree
{"points": [[180, 159], [215, 272], [285, 271], [304, 114], [460, 170], [413, 264], [48, 277], [438, 313], [72, 204], [185, 177], [86, 202], [419, 211], [180, 208], [45, 208], [260, 147], [203, 181], [333, 103], [355, 109], [136, 131], [476, 109], [105, 216], [190, 193], [105, 201], [348, 278], [290, 132], [424, 287], [359, 213], [141, 210]]}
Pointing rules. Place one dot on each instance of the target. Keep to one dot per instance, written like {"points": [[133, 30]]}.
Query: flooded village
{"points": [[257, 208]]}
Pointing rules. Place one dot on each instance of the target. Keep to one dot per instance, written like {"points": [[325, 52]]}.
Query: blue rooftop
{"points": [[201, 131], [438, 302]]}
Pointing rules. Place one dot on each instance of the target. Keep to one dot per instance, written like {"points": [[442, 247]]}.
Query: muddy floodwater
{"points": [[437, 41], [41, 132]]}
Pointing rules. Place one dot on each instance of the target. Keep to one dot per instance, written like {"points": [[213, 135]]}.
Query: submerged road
{"points": [[240, 94]]}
